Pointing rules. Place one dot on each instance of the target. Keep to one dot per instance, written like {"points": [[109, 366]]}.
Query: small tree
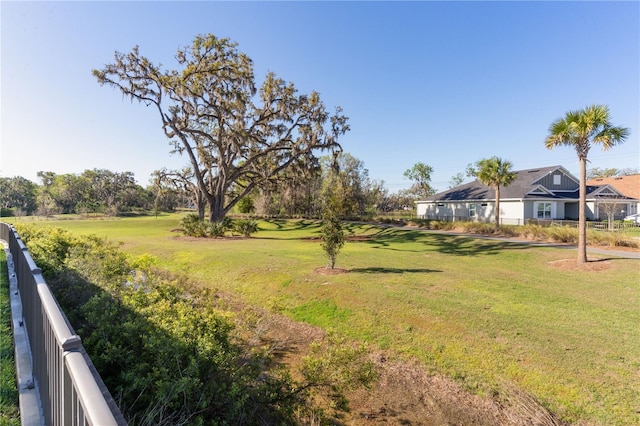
{"points": [[332, 236], [610, 206], [420, 174]]}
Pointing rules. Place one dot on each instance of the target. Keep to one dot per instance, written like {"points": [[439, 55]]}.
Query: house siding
{"points": [[566, 182], [511, 212], [527, 209]]}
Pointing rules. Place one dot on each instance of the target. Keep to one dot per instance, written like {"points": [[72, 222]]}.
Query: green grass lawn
{"points": [[487, 313]]}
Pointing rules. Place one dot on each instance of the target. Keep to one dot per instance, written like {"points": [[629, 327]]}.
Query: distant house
{"points": [[542, 193], [629, 186]]}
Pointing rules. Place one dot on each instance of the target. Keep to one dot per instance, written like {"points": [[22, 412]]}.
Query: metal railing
{"points": [[616, 226], [71, 391], [484, 219]]}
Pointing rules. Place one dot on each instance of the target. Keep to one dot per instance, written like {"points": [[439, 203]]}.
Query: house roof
{"points": [[527, 185], [626, 185]]}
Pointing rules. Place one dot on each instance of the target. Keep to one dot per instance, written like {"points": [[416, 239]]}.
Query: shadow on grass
{"points": [[383, 270], [288, 225], [390, 238], [466, 246], [294, 225], [394, 239]]}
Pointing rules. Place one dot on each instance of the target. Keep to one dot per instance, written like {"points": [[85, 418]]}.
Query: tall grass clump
{"points": [[611, 239], [477, 227], [533, 232], [562, 234]]}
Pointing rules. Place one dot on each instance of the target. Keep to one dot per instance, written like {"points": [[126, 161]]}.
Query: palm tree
{"points": [[494, 172], [580, 129]]}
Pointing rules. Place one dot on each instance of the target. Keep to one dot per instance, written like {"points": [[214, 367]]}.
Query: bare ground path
{"points": [[406, 394]]}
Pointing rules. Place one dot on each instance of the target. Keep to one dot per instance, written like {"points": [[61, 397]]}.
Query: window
{"points": [[544, 211], [557, 179], [472, 209]]}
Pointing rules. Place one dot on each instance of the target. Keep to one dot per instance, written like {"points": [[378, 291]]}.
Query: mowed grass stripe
{"points": [[482, 311]]}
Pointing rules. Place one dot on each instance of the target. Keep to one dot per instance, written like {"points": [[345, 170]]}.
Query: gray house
{"points": [[542, 193]]}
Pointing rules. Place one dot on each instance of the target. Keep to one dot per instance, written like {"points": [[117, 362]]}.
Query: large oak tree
{"points": [[235, 136]]}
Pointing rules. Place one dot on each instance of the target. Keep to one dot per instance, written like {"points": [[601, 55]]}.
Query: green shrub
{"points": [[337, 365], [217, 229], [192, 226], [246, 227]]}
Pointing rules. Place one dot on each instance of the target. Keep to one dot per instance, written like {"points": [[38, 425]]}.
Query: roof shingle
{"points": [[626, 185]]}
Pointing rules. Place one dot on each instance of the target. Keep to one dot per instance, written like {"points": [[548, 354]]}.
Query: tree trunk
{"points": [[582, 212], [216, 207], [198, 197], [497, 207]]}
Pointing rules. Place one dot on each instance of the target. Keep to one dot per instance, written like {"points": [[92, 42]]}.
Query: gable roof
{"points": [[626, 185], [527, 184]]}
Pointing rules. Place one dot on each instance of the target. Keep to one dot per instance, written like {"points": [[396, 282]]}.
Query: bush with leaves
{"points": [[217, 229], [246, 227], [192, 226], [335, 366]]}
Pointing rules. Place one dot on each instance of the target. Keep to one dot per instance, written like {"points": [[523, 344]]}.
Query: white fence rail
{"points": [[615, 226], [70, 390]]}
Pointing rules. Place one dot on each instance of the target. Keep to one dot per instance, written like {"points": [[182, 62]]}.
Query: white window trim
{"points": [[536, 206]]}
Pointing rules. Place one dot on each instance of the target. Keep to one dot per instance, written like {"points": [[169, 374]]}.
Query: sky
{"points": [[442, 83]]}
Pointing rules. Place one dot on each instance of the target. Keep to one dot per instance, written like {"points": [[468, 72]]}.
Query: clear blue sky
{"points": [[443, 83]]}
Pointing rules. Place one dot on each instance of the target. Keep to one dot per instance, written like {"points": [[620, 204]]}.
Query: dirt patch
{"points": [[208, 239], [405, 393], [350, 238], [325, 270], [573, 265]]}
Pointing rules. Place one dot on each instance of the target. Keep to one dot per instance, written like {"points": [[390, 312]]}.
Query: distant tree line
{"points": [[302, 192], [93, 191], [299, 192]]}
